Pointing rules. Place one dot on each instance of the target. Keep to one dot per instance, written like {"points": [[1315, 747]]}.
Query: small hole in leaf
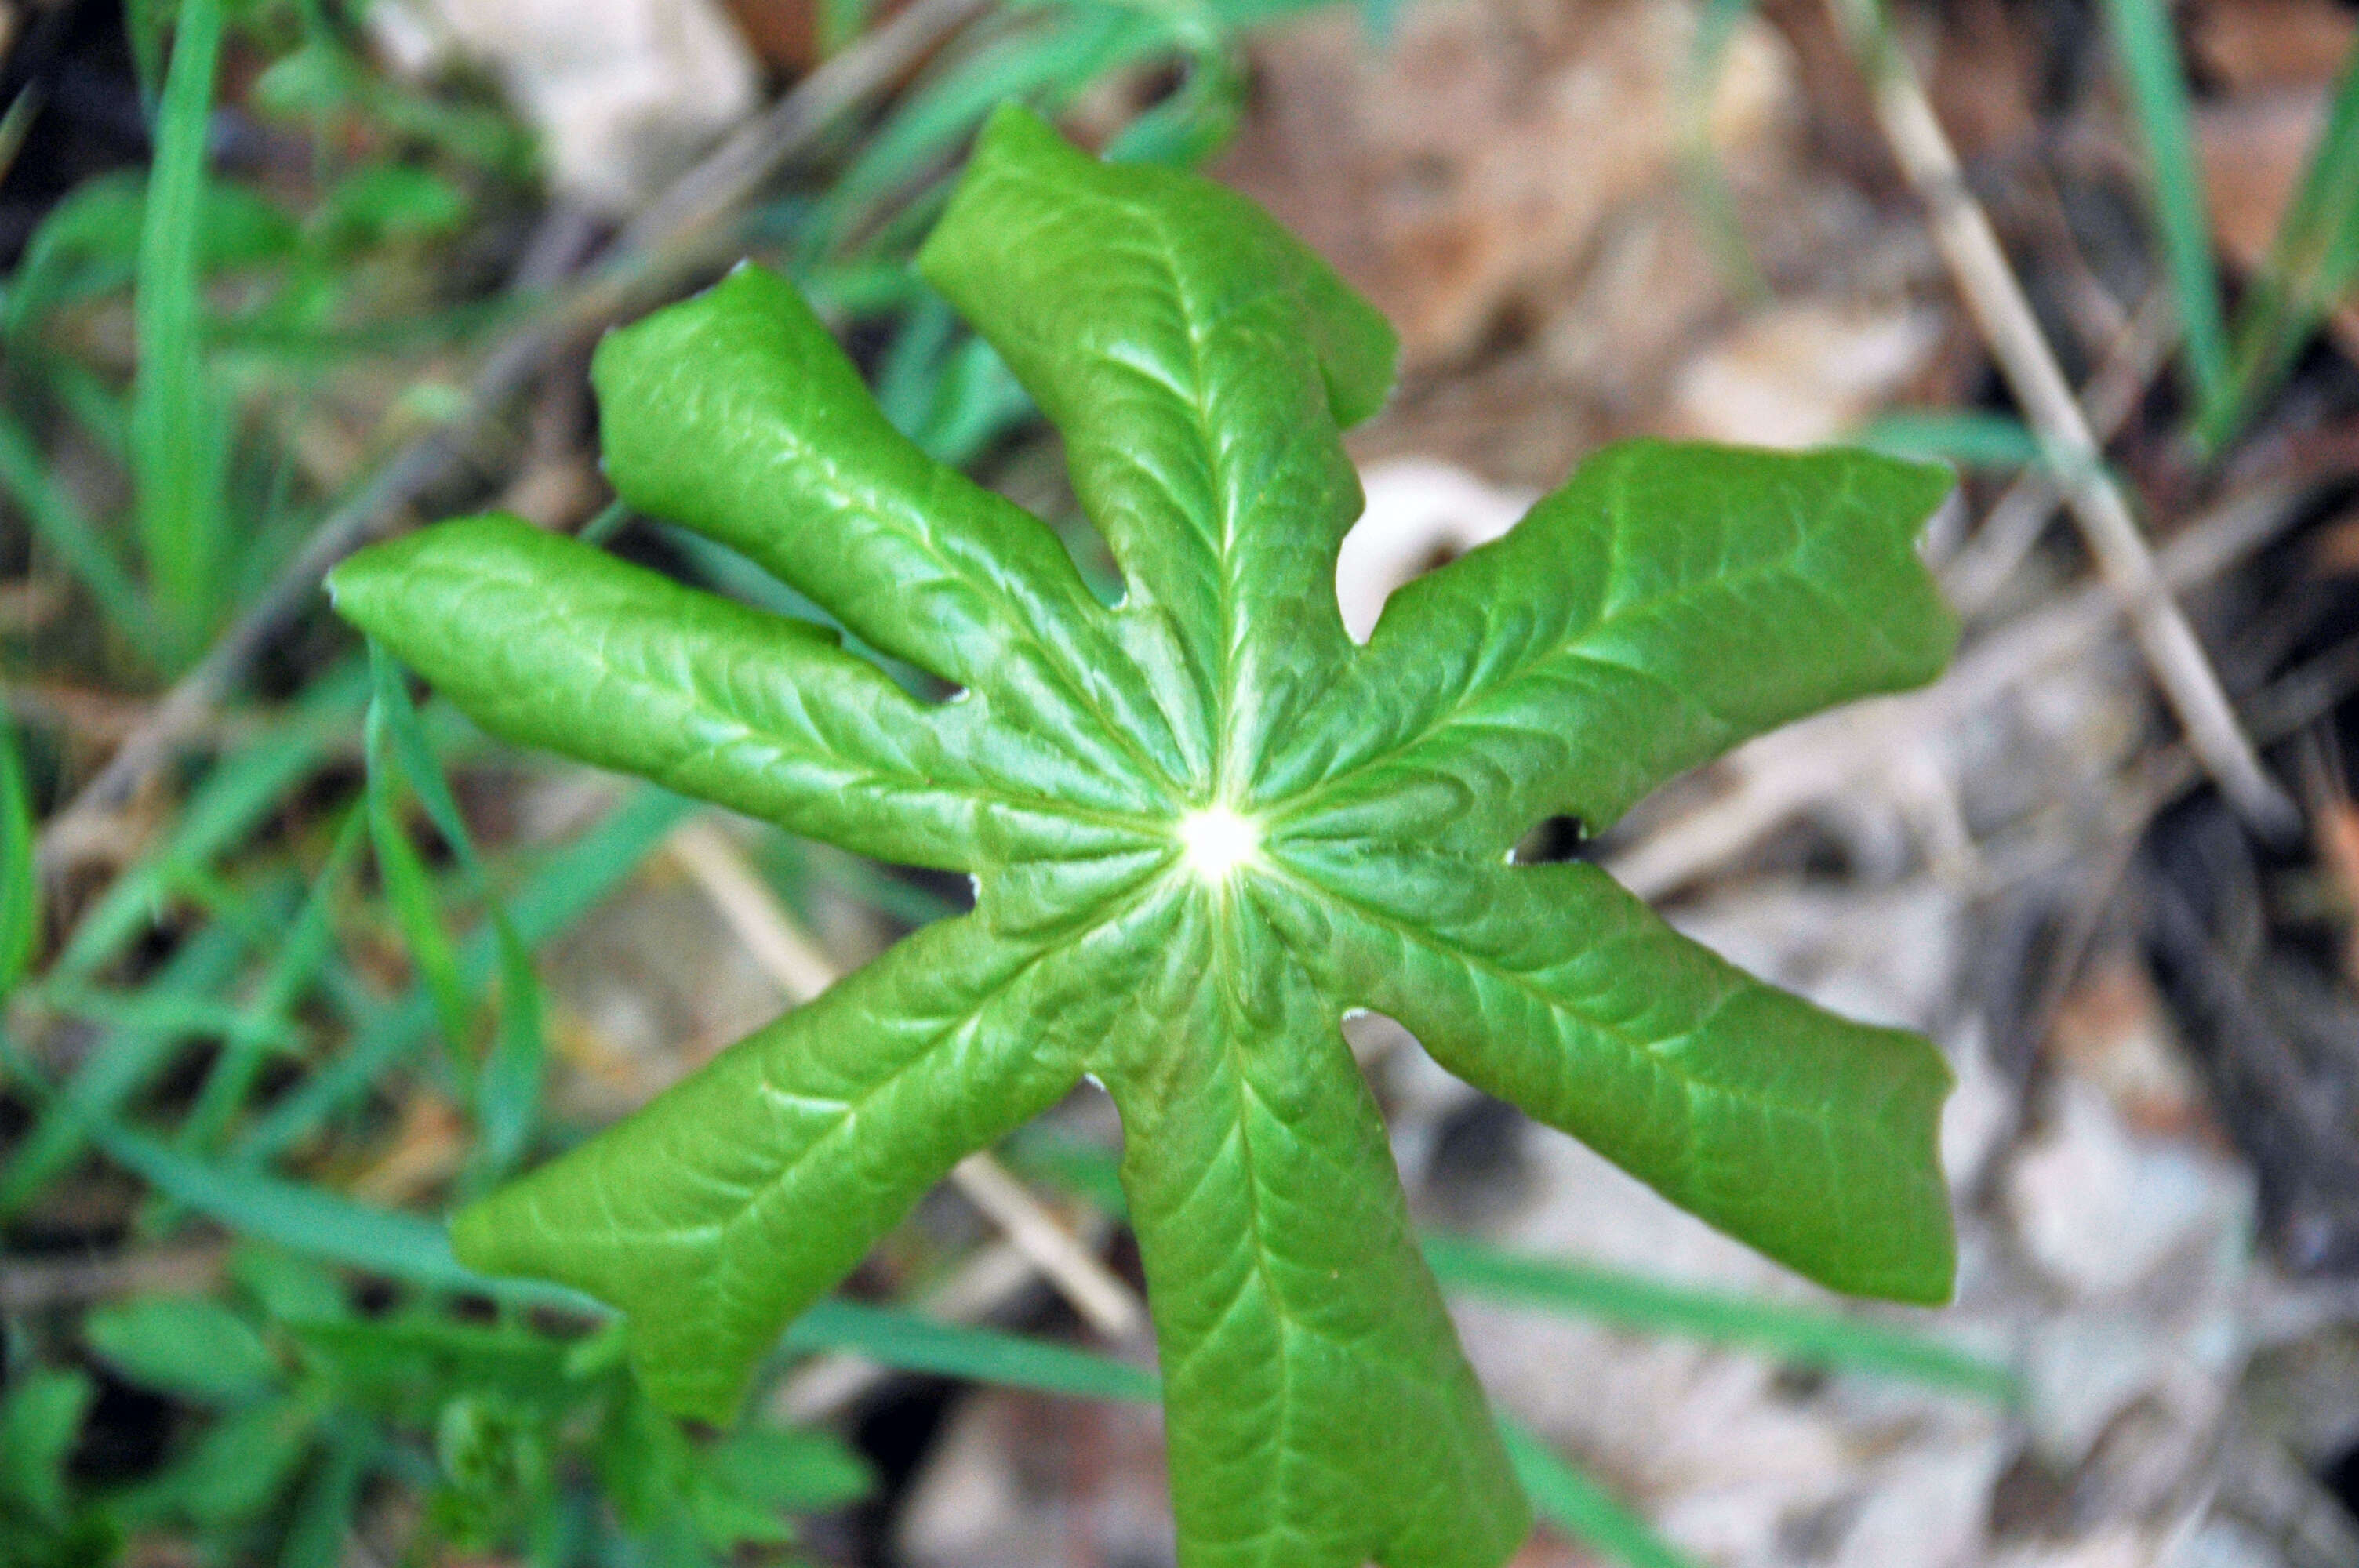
{"points": [[1554, 842]]}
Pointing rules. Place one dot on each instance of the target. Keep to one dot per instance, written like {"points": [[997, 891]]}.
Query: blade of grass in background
{"points": [[1580, 1508], [308, 946], [143, 24], [197, 1016], [117, 1065], [22, 111], [88, 246], [178, 432], [1813, 1338], [2312, 268], [507, 1098], [320, 1224], [1046, 55], [318, 1536], [416, 909], [1966, 436], [2148, 51], [244, 786], [574, 881], [1187, 128], [57, 522], [416, 1251], [909, 1343], [20, 879], [840, 22]]}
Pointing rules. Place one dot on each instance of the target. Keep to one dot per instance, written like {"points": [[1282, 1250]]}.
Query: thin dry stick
{"points": [[794, 962], [1962, 232], [2021, 514], [791, 959], [670, 237]]}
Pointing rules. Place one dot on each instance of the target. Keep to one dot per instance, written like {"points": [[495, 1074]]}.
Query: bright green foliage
{"points": [[1202, 826], [187, 1346]]}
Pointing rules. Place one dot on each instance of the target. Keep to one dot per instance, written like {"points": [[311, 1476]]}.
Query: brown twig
{"points": [[668, 239], [1963, 233]]}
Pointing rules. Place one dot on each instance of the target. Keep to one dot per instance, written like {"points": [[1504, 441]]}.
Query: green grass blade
{"points": [[1582, 1509], [410, 893], [195, 1017], [1192, 125], [103, 413], [319, 1224], [59, 523], [178, 432], [1709, 195], [840, 22], [20, 878], [243, 789], [507, 1099], [308, 944], [1047, 53], [118, 1065], [2312, 268], [42, 1414], [1820, 1339], [2148, 54], [144, 23], [913, 1344], [320, 1533], [1961, 435], [551, 901], [1088, 1169]]}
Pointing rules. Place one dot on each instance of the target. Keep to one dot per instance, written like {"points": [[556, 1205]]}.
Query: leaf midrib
{"points": [[1306, 882], [1011, 628], [1466, 705]]}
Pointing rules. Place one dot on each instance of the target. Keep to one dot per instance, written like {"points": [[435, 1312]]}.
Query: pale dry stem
{"points": [[1962, 232]]}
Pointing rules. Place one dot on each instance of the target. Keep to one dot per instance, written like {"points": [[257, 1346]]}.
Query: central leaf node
{"points": [[1217, 843]]}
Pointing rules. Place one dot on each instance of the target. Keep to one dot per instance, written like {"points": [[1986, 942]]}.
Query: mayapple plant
{"points": [[1202, 826]]}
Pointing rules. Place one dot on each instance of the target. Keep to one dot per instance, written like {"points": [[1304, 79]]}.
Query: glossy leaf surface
{"points": [[1204, 826]]}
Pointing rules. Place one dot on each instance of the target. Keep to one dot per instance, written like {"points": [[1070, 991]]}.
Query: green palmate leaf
{"points": [[1203, 826]]}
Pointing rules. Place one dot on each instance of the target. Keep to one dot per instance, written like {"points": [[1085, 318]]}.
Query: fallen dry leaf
{"points": [[1802, 374], [2251, 44], [1469, 169]]}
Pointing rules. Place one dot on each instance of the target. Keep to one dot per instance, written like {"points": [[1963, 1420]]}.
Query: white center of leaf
{"points": [[1217, 843]]}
